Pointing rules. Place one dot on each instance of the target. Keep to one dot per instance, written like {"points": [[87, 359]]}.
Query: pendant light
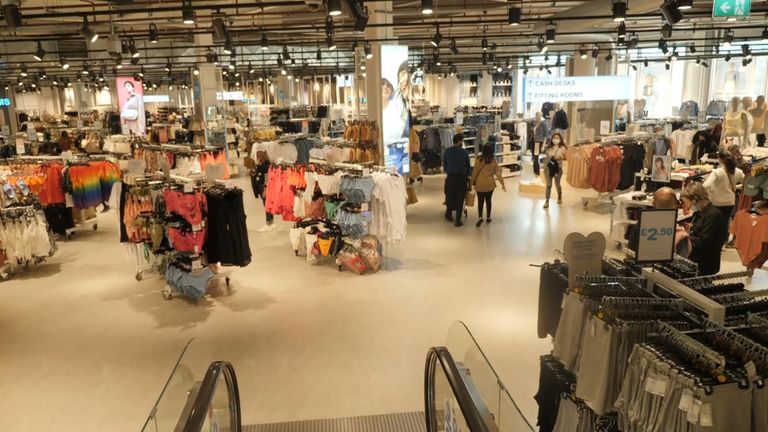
{"points": [[132, 49], [154, 36], [515, 15], [187, 13], [551, 32], [622, 31], [334, 7], [264, 42], [426, 7], [619, 9]]}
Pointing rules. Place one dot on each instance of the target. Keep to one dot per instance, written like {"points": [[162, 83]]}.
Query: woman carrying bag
{"points": [[482, 180], [553, 166]]}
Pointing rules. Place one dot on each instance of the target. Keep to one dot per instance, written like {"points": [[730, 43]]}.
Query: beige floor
{"points": [[84, 347]]}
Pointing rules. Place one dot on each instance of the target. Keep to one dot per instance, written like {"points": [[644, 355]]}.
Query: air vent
{"points": [[73, 48]]}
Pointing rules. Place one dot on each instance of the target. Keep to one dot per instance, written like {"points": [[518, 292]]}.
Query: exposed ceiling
{"points": [[301, 26]]}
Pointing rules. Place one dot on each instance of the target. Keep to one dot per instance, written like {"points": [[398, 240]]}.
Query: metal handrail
{"points": [[206, 392], [466, 403]]}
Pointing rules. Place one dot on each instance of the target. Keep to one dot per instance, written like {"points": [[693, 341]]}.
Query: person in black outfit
{"points": [[704, 143], [457, 169], [709, 230], [258, 173]]}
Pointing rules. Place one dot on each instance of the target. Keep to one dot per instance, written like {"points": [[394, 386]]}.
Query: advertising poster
{"points": [[662, 169], [130, 97], [395, 102]]}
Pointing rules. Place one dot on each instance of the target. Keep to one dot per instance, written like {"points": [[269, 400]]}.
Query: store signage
{"points": [[657, 236], [731, 8], [575, 89], [5, 102], [157, 98], [230, 95], [584, 255]]}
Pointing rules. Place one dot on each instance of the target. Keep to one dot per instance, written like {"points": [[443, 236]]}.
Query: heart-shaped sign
{"points": [[584, 255]]}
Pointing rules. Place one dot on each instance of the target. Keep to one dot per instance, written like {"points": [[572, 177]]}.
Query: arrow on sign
{"points": [[725, 7]]}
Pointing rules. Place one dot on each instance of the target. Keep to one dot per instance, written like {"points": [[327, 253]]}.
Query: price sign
{"points": [[657, 236], [305, 127]]}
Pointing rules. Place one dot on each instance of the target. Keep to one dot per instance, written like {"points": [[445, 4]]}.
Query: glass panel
{"points": [[218, 418], [449, 415], [187, 372], [468, 355]]}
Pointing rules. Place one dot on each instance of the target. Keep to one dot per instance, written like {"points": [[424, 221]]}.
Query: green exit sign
{"points": [[731, 8]]}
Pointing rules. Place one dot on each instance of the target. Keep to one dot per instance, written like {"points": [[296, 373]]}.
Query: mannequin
{"points": [[540, 136], [736, 122], [639, 108], [746, 106], [758, 120], [560, 118]]}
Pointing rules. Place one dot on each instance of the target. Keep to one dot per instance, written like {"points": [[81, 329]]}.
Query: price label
{"points": [[6, 130], [136, 166], [605, 127], [20, 148], [657, 236]]}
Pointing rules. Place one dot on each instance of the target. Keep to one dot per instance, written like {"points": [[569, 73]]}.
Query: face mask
{"points": [[556, 141]]}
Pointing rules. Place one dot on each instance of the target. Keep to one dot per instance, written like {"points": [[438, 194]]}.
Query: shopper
{"points": [[457, 170], [258, 172], [483, 180], [721, 183], [709, 229], [65, 143], [553, 166], [663, 199]]}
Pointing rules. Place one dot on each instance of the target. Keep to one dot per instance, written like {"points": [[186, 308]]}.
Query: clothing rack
{"points": [[692, 347], [705, 280], [587, 279], [609, 302], [751, 350], [714, 310]]}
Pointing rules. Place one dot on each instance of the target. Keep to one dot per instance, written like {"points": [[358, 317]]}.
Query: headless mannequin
{"points": [[560, 118], [736, 122], [746, 106], [758, 118]]}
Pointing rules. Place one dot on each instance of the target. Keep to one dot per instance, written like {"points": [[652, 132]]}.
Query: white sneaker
{"points": [[266, 228]]}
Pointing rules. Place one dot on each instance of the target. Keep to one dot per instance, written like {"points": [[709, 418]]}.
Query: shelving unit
{"points": [[503, 87]]}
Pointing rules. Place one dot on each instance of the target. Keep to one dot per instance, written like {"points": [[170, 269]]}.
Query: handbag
{"points": [[129, 114], [469, 198], [553, 167]]}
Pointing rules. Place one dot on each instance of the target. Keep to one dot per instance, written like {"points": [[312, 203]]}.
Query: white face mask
{"points": [[556, 141]]}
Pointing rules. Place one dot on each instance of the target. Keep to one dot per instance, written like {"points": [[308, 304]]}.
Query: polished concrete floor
{"points": [[85, 347]]}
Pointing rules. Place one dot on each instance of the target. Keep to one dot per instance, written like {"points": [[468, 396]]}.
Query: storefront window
{"points": [[732, 79]]}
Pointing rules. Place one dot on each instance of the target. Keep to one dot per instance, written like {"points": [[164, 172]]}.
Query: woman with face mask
{"points": [[553, 166], [709, 229]]}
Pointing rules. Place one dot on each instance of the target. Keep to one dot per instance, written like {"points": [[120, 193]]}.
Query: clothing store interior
{"points": [[353, 215]]}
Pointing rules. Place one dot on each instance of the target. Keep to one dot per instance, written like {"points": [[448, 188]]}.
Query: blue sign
{"points": [[5, 102]]}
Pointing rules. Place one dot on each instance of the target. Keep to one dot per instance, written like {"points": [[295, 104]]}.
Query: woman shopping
{"points": [[553, 166], [483, 180], [259, 169], [721, 184], [709, 229]]}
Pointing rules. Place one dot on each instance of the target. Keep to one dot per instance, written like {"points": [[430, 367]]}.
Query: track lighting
{"points": [[453, 47], [583, 52], [692, 48], [663, 46], [609, 57], [154, 36], [684, 4], [595, 52], [764, 37], [141, 72], [426, 7], [671, 12], [437, 38], [515, 16], [484, 43], [168, 65], [551, 32], [728, 39], [39, 53], [368, 52], [746, 51], [64, 64], [666, 31], [132, 49], [634, 41], [251, 69], [187, 13], [229, 47], [330, 43], [334, 7], [622, 30], [674, 55], [645, 63], [23, 70], [728, 57], [87, 32], [195, 70], [543, 48], [619, 9]]}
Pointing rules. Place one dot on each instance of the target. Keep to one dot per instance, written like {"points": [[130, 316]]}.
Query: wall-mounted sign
{"points": [[573, 89], [731, 8], [5, 102], [234, 95], [156, 98]]}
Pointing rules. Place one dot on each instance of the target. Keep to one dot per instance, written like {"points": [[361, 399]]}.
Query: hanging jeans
{"points": [[484, 198], [556, 179], [455, 189]]}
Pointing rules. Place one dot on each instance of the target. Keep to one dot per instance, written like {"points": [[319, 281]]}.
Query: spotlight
{"points": [[645, 63], [64, 64], [141, 72], [251, 69], [705, 64], [154, 37], [764, 37], [634, 68], [426, 7], [663, 46], [671, 12], [437, 38], [39, 53], [264, 42], [609, 57], [168, 65], [692, 48], [330, 43], [367, 50], [334, 7], [595, 52], [286, 54], [12, 13], [666, 65], [87, 33], [728, 57], [728, 39], [746, 51], [23, 70], [318, 55], [698, 61], [666, 31], [619, 9], [229, 47], [132, 49], [622, 30], [633, 42], [187, 13], [515, 16], [583, 52], [543, 48], [551, 32], [684, 4], [196, 71], [484, 43]]}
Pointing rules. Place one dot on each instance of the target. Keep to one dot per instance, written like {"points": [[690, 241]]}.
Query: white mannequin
{"points": [[746, 106], [736, 123], [758, 120]]}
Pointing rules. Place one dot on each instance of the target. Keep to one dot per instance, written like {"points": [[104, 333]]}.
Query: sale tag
{"points": [[657, 236], [705, 417], [20, 149], [693, 414], [189, 187], [136, 166]]}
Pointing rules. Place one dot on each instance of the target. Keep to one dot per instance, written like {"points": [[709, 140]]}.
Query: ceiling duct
{"points": [[12, 13], [75, 49]]}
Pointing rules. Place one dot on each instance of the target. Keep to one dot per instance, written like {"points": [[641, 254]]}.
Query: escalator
{"points": [[462, 393]]}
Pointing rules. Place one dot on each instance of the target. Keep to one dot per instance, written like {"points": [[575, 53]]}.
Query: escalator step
{"points": [[397, 422]]}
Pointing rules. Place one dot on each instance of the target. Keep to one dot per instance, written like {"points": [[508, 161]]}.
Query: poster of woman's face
{"points": [[662, 169], [130, 97]]}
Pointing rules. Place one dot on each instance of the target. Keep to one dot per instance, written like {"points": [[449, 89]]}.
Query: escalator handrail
{"points": [[458, 386], [206, 393]]}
